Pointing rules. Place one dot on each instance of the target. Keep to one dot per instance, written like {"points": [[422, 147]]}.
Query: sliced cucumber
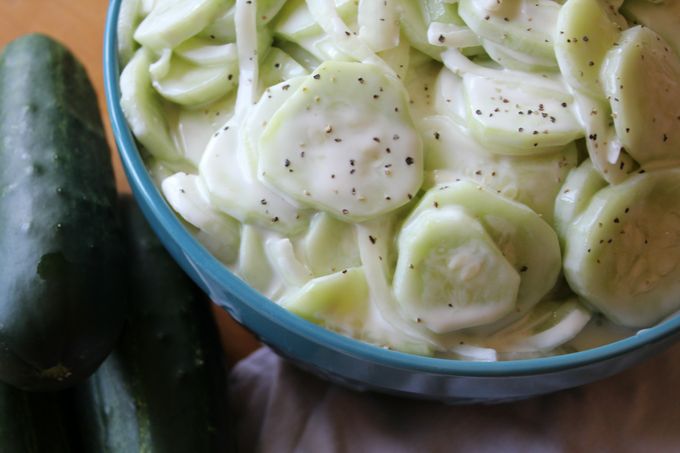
{"points": [[192, 85], [451, 153], [585, 31], [222, 28], [525, 25], [202, 51], [341, 141], [446, 262], [519, 118], [526, 241], [253, 266], [278, 67], [330, 245], [378, 23], [547, 326], [259, 116], [641, 78], [195, 126], [607, 154], [128, 19], [339, 301], [143, 110], [414, 28], [449, 96], [580, 186], [173, 22], [398, 58], [420, 81], [226, 170], [216, 231], [295, 22], [622, 252], [512, 59], [662, 17]]}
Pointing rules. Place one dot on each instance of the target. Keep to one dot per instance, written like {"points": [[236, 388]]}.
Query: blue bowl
{"points": [[343, 360]]}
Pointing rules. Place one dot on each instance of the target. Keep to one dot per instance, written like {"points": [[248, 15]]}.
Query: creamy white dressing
{"points": [[296, 178]]}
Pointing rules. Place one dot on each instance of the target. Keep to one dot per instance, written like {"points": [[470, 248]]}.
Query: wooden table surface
{"points": [[79, 24]]}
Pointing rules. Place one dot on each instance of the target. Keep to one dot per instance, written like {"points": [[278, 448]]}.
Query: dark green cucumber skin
{"points": [[61, 307], [33, 422], [163, 389]]}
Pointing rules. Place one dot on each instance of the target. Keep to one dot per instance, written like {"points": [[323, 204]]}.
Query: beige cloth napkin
{"points": [[279, 408]]}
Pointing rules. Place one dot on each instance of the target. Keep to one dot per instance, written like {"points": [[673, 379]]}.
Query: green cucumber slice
{"points": [[216, 231], [622, 252], [526, 241], [227, 173], [173, 22], [330, 245], [446, 263], [641, 78], [192, 85], [143, 110], [519, 118], [662, 17], [339, 301], [585, 31], [451, 153], [525, 25], [341, 141], [580, 186], [194, 127]]}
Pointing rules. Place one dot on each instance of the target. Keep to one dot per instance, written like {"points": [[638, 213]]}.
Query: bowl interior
{"points": [[204, 269]]}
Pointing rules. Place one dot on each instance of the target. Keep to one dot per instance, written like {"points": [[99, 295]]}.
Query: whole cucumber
{"points": [[61, 308], [163, 389], [33, 422]]}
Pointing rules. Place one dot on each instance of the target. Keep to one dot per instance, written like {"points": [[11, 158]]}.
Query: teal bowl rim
{"points": [[148, 193]]}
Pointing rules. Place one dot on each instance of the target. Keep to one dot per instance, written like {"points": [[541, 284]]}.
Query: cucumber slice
{"points": [[662, 17], [526, 241], [420, 81], [233, 188], [194, 85], [330, 245], [512, 59], [341, 141], [284, 261], [607, 154], [398, 58], [143, 109], [260, 114], [222, 28], [195, 126], [446, 261], [339, 301], [278, 67], [547, 326], [622, 252], [201, 51], [128, 19], [173, 22], [580, 186], [414, 28], [217, 232], [525, 25], [449, 96], [253, 266], [451, 153], [378, 23], [295, 23], [585, 31], [519, 118], [641, 78]]}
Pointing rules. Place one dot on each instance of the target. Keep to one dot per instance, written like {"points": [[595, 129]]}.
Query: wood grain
{"points": [[79, 24]]}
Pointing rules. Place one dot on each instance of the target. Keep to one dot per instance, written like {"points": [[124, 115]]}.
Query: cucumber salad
{"points": [[473, 179]]}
